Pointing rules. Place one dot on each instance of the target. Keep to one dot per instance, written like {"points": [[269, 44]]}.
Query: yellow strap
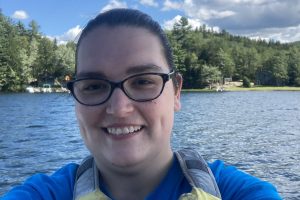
{"points": [[96, 195], [197, 194]]}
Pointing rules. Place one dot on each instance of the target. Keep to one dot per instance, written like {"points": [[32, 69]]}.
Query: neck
{"points": [[138, 181]]}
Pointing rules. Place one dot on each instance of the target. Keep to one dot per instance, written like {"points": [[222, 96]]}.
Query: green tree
{"points": [[275, 70], [32, 59], [4, 56], [210, 75], [294, 67], [181, 29], [247, 61], [246, 82], [44, 67], [65, 61], [178, 38], [225, 63], [10, 62], [33, 30], [178, 53]]}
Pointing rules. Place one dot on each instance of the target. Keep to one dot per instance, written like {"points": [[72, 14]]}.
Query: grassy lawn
{"points": [[256, 88], [264, 88]]}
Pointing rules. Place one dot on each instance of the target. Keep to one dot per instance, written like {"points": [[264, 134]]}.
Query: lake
{"points": [[259, 132]]}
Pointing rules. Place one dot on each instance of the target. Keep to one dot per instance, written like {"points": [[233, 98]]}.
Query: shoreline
{"points": [[225, 89], [241, 89]]}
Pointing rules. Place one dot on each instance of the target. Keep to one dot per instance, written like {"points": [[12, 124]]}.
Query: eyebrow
{"points": [[90, 74], [143, 68], [132, 70]]}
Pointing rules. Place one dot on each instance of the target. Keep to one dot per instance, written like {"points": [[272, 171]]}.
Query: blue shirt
{"points": [[233, 184]]}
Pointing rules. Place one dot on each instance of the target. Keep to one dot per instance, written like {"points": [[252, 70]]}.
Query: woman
{"points": [[126, 92]]}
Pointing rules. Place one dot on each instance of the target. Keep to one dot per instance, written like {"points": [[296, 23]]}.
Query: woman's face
{"points": [[116, 53]]}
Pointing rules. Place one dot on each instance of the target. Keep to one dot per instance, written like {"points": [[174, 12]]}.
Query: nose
{"points": [[119, 104]]}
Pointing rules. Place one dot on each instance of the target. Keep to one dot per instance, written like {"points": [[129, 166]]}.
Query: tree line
{"points": [[29, 58], [204, 56], [201, 55]]}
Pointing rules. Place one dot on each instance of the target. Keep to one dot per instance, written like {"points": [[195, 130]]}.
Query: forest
{"points": [[203, 56]]}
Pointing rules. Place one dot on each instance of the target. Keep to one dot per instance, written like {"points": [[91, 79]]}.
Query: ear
{"points": [[177, 103]]}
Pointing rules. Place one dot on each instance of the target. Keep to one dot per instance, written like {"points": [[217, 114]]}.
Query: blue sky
{"points": [[266, 19]]}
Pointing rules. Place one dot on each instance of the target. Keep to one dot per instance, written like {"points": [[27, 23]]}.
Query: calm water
{"points": [[259, 132]]}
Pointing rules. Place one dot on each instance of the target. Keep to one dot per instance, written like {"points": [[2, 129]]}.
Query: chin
{"points": [[126, 159]]}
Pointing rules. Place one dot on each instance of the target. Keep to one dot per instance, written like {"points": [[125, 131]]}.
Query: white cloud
{"points": [[232, 14], [71, 35], [206, 14], [193, 22], [20, 14], [256, 2], [206, 10], [114, 4], [273, 19], [170, 23], [149, 3], [171, 5], [286, 34]]}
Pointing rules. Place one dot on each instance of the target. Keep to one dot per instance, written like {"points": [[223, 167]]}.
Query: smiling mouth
{"points": [[122, 130]]}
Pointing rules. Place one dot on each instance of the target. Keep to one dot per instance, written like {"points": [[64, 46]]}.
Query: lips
{"points": [[124, 130]]}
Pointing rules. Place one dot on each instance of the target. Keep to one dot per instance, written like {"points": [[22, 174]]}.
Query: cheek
{"points": [[80, 114], [86, 117], [85, 113], [162, 110], [81, 118]]}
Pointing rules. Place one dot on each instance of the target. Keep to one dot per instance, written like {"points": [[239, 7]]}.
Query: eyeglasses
{"points": [[139, 87]]}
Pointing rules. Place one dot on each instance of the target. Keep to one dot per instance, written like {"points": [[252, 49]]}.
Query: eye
{"points": [[90, 86], [144, 82]]}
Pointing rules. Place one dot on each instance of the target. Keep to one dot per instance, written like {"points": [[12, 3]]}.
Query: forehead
{"points": [[109, 49]]}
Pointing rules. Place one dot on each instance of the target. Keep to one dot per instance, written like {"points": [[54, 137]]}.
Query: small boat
{"points": [[46, 88], [30, 89]]}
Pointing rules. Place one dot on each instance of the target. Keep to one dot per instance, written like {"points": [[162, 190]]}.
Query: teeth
{"points": [[123, 130]]}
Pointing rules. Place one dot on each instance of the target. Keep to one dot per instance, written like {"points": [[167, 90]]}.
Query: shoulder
{"points": [[59, 185], [236, 184]]}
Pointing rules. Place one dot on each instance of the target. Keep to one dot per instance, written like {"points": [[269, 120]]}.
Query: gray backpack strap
{"points": [[197, 172], [87, 178]]}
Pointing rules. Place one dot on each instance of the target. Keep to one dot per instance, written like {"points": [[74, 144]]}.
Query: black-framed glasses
{"points": [[139, 87]]}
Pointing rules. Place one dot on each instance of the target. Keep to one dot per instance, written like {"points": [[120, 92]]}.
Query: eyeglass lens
{"points": [[139, 87]]}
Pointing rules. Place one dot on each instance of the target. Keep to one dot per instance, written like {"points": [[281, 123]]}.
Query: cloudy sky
{"points": [[266, 19]]}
